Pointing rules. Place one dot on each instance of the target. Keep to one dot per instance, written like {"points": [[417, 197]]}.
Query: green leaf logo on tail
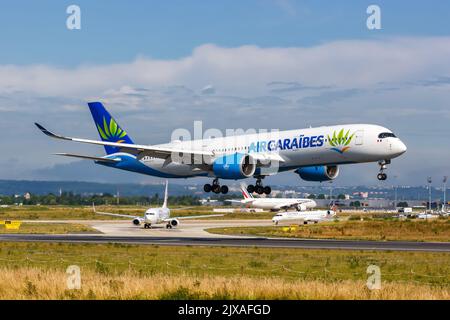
{"points": [[111, 131], [340, 142]]}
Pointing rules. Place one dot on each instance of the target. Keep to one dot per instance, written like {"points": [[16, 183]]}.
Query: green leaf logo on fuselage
{"points": [[340, 142]]}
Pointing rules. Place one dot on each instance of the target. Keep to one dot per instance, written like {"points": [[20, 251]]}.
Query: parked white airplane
{"points": [[303, 216], [156, 215], [426, 216], [274, 204], [314, 154]]}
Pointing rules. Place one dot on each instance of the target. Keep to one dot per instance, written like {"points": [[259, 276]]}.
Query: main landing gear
{"points": [[215, 187], [383, 166], [147, 225], [259, 188]]}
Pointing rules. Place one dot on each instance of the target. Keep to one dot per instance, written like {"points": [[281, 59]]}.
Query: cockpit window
{"points": [[386, 135]]}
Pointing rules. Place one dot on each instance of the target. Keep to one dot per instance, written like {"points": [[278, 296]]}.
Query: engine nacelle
{"points": [[174, 222], [234, 166], [136, 222], [318, 173]]}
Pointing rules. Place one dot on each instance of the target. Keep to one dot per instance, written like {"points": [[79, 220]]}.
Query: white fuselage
{"points": [[302, 216], [297, 148], [156, 215], [279, 203]]}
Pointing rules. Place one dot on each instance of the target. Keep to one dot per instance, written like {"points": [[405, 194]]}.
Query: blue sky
{"points": [[285, 64], [117, 31]]}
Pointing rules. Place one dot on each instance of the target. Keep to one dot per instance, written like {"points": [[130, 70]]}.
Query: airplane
{"points": [[314, 153], [274, 204], [305, 216], [426, 216], [159, 215]]}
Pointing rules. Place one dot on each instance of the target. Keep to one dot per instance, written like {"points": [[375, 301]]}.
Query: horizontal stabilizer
{"points": [[99, 159]]}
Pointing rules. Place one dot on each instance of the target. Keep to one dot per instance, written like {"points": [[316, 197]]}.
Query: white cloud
{"points": [[247, 69], [399, 82]]}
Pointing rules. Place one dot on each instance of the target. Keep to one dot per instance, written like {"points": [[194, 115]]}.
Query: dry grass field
{"points": [[49, 228], [411, 230], [34, 283], [116, 271]]}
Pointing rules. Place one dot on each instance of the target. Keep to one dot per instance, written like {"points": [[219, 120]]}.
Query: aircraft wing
{"points": [[113, 214], [182, 208], [99, 159], [289, 204], [237, 201], [285, 205], [141, 150], [194, 217]]}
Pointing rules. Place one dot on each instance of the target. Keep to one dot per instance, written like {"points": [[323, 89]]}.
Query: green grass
{"points": [[49, 228], [86, 213], [327, 265], [381, 229], [81, 212]]}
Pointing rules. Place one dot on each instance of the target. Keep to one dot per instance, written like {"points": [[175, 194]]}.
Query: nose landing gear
{"points": [[259, 188], [215, 187], [383, 166]]}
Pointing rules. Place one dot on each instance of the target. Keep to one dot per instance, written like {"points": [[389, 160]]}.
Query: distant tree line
{"points": [[69, 198], [322, 196]]}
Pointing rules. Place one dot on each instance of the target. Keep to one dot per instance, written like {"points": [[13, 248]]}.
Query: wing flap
{"points": [[99, 159]]}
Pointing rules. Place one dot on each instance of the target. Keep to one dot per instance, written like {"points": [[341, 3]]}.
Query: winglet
{"points": [[93, 207], [49, 133]]}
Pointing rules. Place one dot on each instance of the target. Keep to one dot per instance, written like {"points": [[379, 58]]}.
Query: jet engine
{"points": [[136, 222], [234, 166], [318, 173]]}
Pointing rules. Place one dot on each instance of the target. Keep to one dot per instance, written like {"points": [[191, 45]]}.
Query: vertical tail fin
{"points": [[166, 194], [107, 127], [245, 193]]}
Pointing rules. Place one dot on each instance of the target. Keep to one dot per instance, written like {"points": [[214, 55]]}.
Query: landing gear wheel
{"points": [[216, 188], [383, 165], [259, 189], [267, 190], [168, 226], [207, 188], [251, 188], [224, 189]]}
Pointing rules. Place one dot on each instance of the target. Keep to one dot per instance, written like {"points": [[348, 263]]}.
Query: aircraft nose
{"points": [[398, 148], [401, 147]]}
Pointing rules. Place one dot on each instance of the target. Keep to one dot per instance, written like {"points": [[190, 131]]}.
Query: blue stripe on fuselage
{"points": [[129, 162]]}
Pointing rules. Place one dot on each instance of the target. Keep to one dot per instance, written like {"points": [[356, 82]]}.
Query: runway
{"points": [[193, 233], [236, 242]]}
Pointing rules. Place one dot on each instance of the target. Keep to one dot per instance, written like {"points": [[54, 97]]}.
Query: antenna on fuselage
{"points": [[166, 194]]}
